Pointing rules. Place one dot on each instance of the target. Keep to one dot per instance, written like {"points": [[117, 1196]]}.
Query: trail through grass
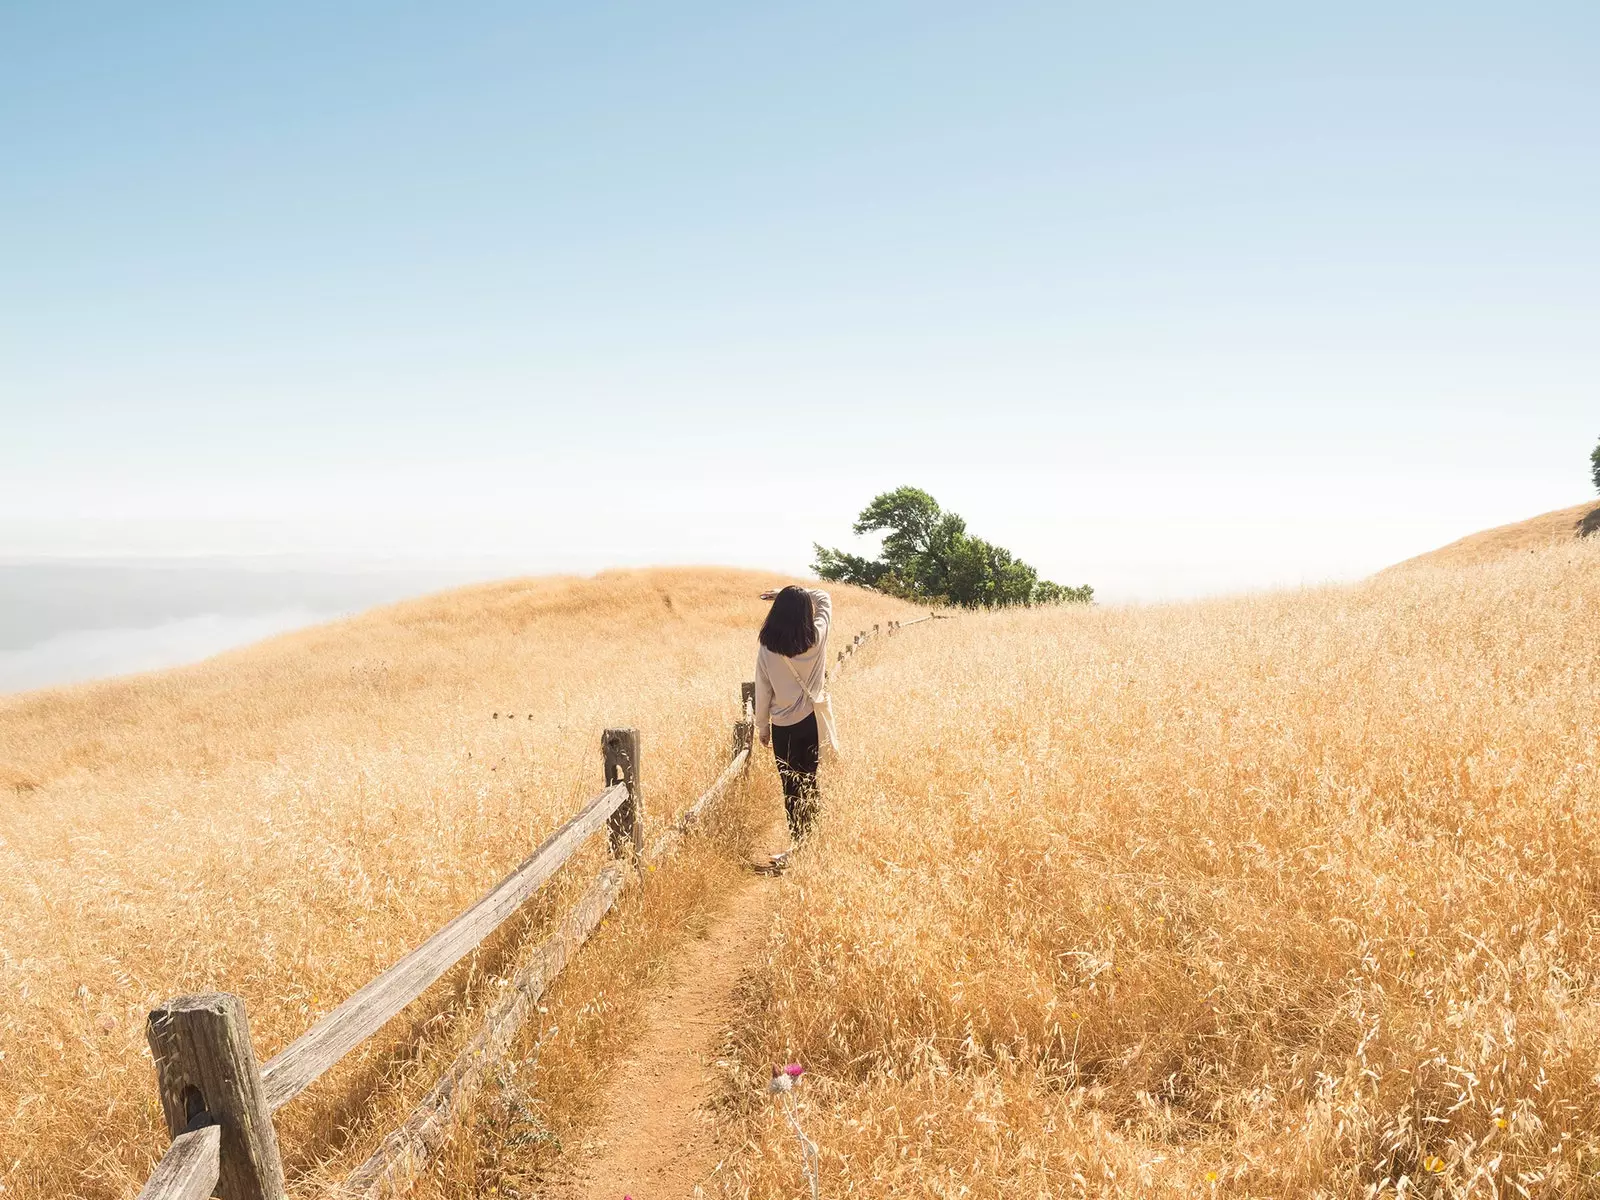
{"points": [[285, 821]]}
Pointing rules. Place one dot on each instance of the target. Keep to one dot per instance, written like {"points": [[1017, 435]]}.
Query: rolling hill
{"points": [[1521, 537], [283, 820], [1291, 894]]}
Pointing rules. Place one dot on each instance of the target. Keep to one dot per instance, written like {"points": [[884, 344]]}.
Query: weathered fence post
{"points": [[621, 750], [744, 728], [207, 1073]]}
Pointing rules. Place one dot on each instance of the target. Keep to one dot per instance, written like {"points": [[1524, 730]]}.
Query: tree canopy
{"points": [[929, 555], [1594, 459]]}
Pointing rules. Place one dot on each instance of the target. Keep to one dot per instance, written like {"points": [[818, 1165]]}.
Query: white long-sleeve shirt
{"points": [[780, 698]]}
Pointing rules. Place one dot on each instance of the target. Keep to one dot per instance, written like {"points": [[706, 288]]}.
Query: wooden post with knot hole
{"points": [[207, 1073], [744, 728], [620, 749]]}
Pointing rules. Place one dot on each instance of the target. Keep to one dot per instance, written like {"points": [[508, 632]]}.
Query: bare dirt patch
{"points": [[657, 1137]]}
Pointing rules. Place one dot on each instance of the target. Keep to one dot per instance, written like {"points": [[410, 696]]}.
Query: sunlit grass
{"points": [[285, 821], [1286, 895]]}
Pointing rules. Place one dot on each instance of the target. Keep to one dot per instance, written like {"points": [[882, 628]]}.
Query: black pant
{"points": [[795, 748]]}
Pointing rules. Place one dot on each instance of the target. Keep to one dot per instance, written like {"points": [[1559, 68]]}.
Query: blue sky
{"points": [[1171, 298]]}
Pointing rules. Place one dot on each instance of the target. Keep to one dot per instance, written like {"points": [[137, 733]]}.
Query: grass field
{"points": [[285, 821], [1282, 896], [1549, 529], [1295, 894]]}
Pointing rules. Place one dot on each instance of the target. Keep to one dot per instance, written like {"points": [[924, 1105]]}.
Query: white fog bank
{"points": [[98, 653]]}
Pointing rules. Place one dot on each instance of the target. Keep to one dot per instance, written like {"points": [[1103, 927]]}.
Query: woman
{"points": [[791, 675]]}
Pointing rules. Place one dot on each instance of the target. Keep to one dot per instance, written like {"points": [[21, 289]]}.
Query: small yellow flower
{"points": [[1499, 1122], [1211, 1176], [1433, 1164]]}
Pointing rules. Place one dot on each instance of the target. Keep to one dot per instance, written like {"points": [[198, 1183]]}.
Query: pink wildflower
{"points": [[794, 1070]]}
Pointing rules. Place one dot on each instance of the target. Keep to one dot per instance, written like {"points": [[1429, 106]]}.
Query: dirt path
{"points": [[656, 1139]]}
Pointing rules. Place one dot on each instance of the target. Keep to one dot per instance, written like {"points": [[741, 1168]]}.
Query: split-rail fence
{"points": [[218, 1099]]}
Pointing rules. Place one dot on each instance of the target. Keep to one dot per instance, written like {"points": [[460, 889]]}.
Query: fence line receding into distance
{"points": [[218, 1100]]}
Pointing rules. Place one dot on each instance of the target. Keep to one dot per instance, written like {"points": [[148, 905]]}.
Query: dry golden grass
{"points": [[525, 1134], [1292, 895], [1521, 537], [285, 821], [1287, 895]]}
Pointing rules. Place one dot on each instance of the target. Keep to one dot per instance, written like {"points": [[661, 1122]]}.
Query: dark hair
{"points": [[790, 627]]}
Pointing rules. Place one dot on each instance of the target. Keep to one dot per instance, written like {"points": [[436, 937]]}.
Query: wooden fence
{"points": [[218, 1100]]}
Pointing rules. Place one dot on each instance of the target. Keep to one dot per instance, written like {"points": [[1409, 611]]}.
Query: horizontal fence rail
{"points": [[364, 1013], [404, 1154], [669, 840], [219, 1102]]}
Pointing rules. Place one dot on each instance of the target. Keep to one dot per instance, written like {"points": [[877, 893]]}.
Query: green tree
{"points": [[1056, 593], [1594, 459], [919, 540], [908, 513], [849, 568], [987, 576], [929, 555]]}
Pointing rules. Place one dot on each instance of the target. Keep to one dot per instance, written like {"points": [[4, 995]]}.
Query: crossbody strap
{"points": [[789, 662]]}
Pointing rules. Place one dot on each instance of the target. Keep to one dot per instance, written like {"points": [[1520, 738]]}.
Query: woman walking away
{"points": [[791, 681]]}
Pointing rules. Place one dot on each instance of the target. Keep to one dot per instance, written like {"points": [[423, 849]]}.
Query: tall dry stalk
{"points": [[287, 820], [1290, 895]]}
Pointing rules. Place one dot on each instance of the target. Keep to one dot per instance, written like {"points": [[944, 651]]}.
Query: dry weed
{"points": [[285, 821], [1287, 895]]}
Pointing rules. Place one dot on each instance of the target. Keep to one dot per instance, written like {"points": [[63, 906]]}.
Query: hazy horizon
{"points": [[67, 619], [1170, 301]]}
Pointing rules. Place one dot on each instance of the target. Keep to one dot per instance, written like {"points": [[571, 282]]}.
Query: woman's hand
{"points": [[770, 594], [766, 736]]}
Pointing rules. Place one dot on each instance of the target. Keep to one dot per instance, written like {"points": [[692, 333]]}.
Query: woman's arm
{"points": [[763, 701], [823, 607]]}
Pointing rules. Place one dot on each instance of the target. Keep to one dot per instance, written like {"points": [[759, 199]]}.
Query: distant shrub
{"points": [[1060, 593], [928, 555], [1594, 461]]}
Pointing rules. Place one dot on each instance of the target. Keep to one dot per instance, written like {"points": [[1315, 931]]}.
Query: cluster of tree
{"points": [[1595, 460], [928, 555]]}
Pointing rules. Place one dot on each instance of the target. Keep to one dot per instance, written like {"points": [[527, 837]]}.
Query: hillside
{"points": [[1522, 537], [284, 820], [1281, 895], [1287, 895]]}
